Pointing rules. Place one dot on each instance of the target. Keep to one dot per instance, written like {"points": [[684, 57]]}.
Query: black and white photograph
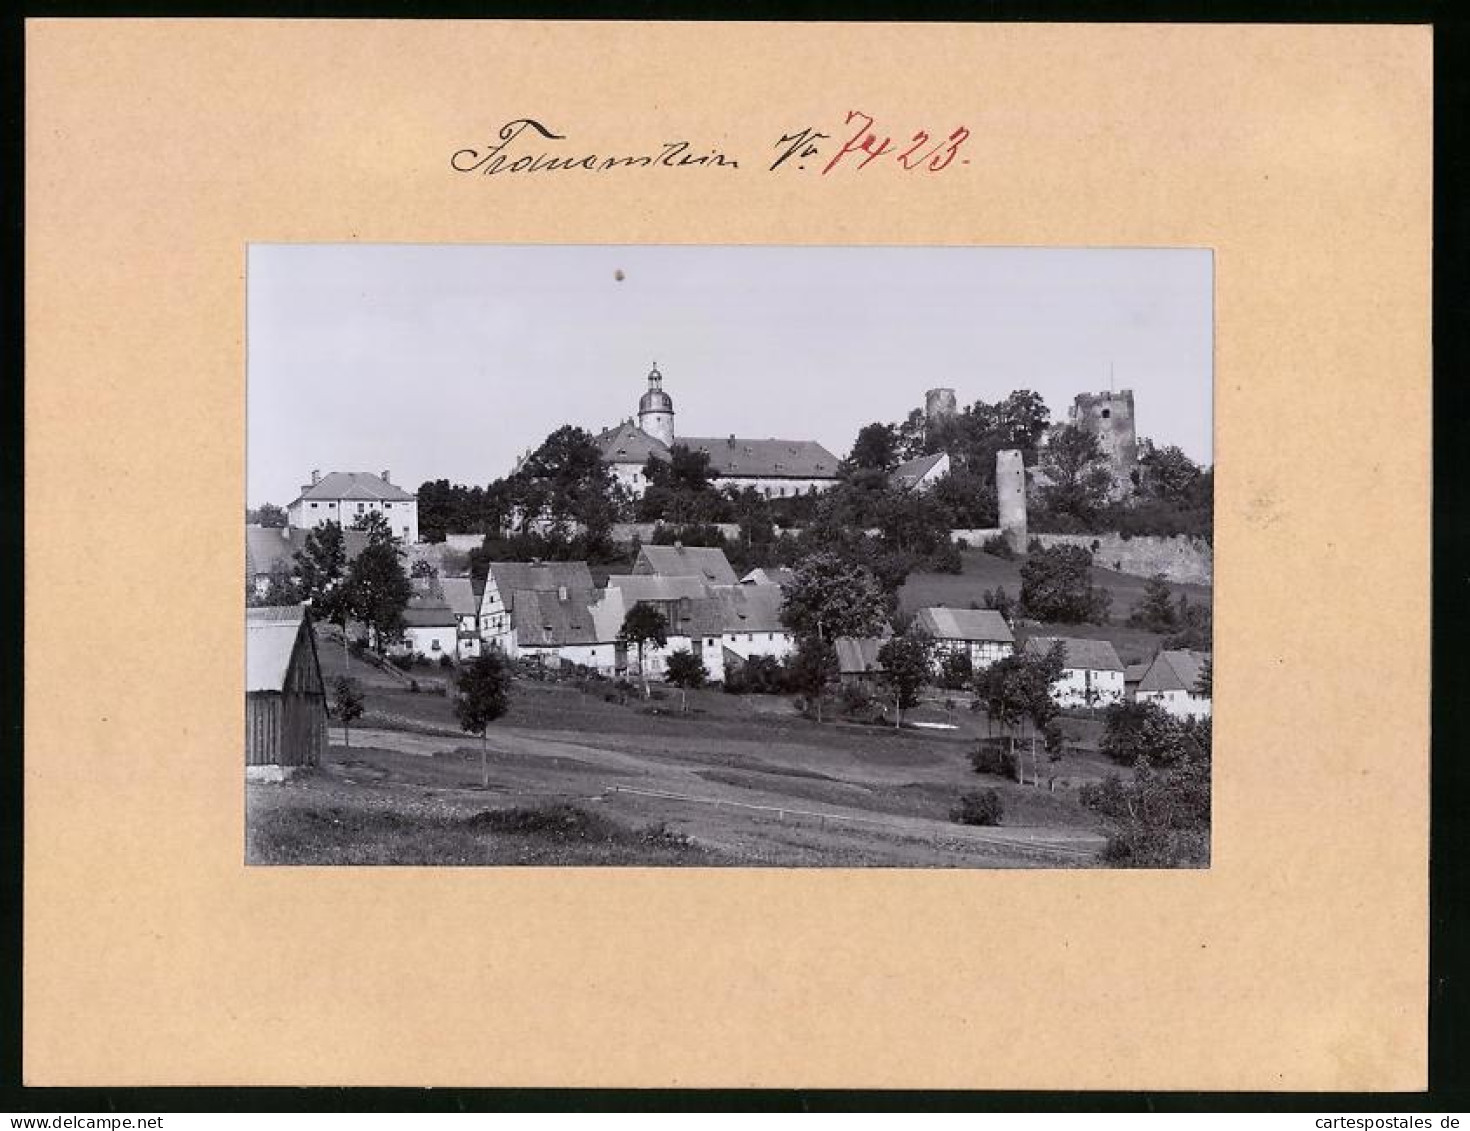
{"points": [[729, 556]]}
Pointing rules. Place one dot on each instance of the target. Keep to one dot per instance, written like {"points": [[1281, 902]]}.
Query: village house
{"points": [[981, 634], [344, 497], [575, 626], [285, 700], [775, 468], [707, 563], [1171, 682], [752, 621], [695, 619], [1092, 674], [463, 598], [504, 579], [430, 629], [857, 659], [919, 474]]}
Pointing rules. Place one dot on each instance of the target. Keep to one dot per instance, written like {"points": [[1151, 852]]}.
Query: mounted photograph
{"points": [[729, 556]]}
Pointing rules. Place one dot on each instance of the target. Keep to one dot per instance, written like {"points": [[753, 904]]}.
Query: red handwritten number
{"points": [[920, 139], [956, 139], [852, 145]]}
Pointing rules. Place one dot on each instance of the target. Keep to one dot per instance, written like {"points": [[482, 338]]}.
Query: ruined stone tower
{"points": [[656, 409], [1109, 417], [1010, 494]]}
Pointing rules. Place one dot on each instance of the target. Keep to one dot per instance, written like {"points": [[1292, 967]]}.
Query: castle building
{"points": [[1109, 417], [345, 496], [775, 468]]}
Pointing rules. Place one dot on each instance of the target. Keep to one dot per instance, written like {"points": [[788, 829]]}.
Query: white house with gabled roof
{"points": [[344, 497]]}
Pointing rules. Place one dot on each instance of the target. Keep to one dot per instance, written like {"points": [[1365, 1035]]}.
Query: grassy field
{"points": [[736, 781]]}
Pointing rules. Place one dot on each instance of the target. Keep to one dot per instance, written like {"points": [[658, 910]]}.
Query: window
{"points": [[360, 507], [433, 645], [313, 506], [1107, 413]]}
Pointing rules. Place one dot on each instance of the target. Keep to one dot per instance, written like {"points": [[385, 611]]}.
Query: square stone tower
{"points": [[1109, 417]]}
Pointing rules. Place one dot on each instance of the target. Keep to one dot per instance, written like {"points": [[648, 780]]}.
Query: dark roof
{"points": [[1135, 672], [354, 485], [428, 612], [637, 587], [1174, 671], [1096, 655], [513, 577], [706, 562], [751, 608], [965, 624], [460, 594], [627, 443], [733, 456], [906, 476], [542, 619], [858, 655], [265, 546]]}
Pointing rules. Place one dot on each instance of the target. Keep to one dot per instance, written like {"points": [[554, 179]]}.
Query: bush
{"points": [[403, 662], [759, 675], [955, 671], [980, 807], [994, 756], [859, 702], [998, 546], [445, 662]]}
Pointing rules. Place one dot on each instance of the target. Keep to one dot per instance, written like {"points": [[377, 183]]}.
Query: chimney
{"points": [[316, 477], [385, 478]]}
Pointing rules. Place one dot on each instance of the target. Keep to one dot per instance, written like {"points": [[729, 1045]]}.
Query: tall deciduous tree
{"points": [[1015, 693], [1080, 480], [347, 705], [812, 668], [378, 591], [1056, 585], [321, 573], [1156, 610], [482, 695], [686, 672], [375, 525], [268, 515], [905, 661], [830, 597], [876, 447], [644, 624]]}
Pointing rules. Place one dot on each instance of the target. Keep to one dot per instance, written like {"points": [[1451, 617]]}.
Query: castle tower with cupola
{"points": [[656, 409]]}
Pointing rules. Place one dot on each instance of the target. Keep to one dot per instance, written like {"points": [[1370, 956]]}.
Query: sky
{"points": [[448, 361]]}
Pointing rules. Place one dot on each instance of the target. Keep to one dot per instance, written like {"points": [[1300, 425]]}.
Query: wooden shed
{"points": [[285, 700]]}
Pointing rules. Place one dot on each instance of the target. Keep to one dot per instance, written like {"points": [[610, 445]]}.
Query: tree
{"points": [[378, 591], [1166, 473], [1015, 691], [1056, 585], [685, 671], [482, 695], [1080, 480], [812, 668], [876, 447], [956, 670], [1205, 683], [321, 573], [1155, 611], [268, 515], [347, 705], [565, 483], [425, 572], [281, 587], [830, 597], [1134, 730], [905, 661], [375, 525], [1161, 818], [644, 625], [1196, 627]]}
